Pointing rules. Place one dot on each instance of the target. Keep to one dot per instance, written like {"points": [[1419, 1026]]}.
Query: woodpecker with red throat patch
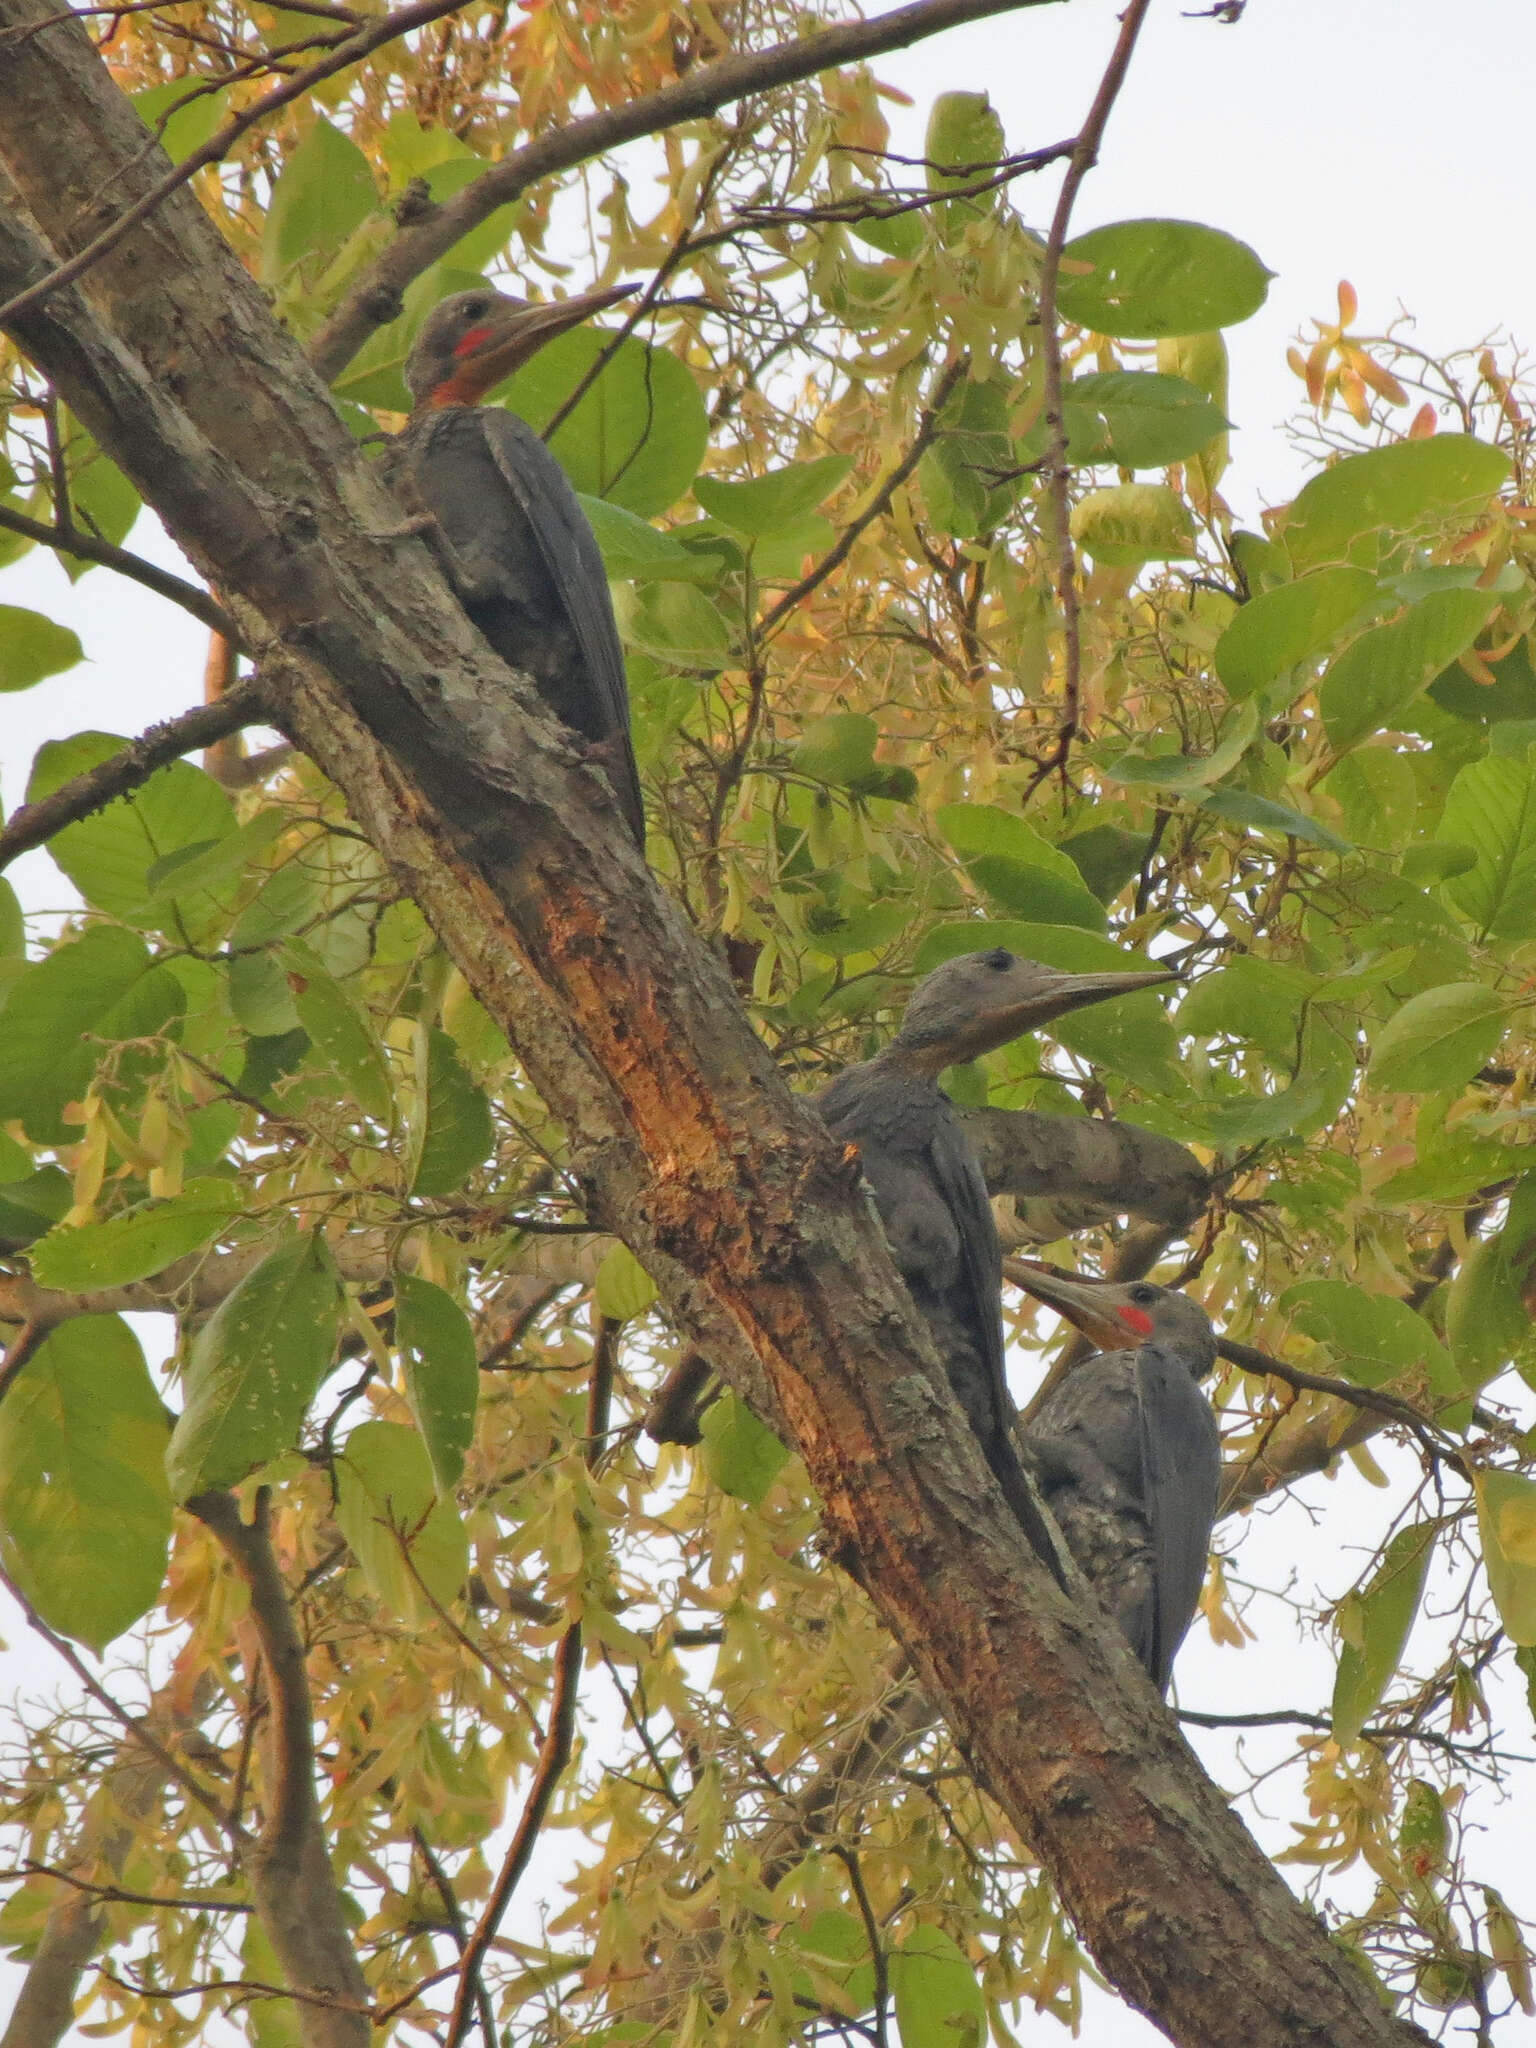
{"points": [[500, 513], [1126, 1453]]}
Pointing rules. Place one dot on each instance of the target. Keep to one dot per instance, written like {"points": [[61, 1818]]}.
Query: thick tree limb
{"points": [[691, 1146], [288, 1865], [35, 824], [376, 299]]}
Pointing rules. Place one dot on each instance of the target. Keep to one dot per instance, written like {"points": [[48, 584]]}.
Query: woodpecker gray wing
{"points": [[1181, 1477]]}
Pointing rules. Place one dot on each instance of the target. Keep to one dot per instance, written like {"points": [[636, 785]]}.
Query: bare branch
{"points": [[85, 547], [292, 1882], [376, 300], [35, 824], [1058, 471]]}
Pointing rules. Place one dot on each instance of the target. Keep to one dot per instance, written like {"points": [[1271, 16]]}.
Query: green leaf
{"points": [[1138, 419], [676, 624], [91, 991], [1259, 1000], [326, 190], [1491, 807], [32, 1204], [1438, 1039], [1106, 856], [188, 111], [129, 1247], [1260, 814], [32, 647], [112, 857], [961, 471], [965, 138], [13, 925], [938, 1996], [451, 1132], [838, 749], [1140, 279], [1379, 1619], [1372, 1338], [107, 504], [623, 1287], [760, 505], [408, 1541], [1280, 628], [637, 435], [1487, 1324], [442, 1373], [1019, 870], [835, 1949], [741, 1455], [341, 1033], [634, 551], [254, 1368], [260, 998], [1343, 512], [1382, 672], [1128, 1034], [1191, 774], [1506, 1520], [1128, 524], [85, 1515]]}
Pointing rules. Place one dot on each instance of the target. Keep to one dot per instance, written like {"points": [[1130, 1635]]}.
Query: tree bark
{"points": [[687, 1140]]}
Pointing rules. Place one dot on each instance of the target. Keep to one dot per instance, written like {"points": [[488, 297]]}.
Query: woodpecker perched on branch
{"points": [[500, 513]]}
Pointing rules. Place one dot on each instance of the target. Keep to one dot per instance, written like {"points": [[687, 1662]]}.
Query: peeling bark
{"points": [[689, 1144]]}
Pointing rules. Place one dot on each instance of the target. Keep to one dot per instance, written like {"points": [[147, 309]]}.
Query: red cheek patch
{"points": [[1136, 1319], [476, 338]]}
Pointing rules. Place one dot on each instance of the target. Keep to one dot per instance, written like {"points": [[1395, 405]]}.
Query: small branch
{"points": [[35, 824], [217, 147], [559, 1733], [842, 547], [1247, 1359], [1058, 473], [376, 299], [23, 1349], [85, 547]]}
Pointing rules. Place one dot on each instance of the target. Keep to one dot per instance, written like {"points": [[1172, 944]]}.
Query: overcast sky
{"points": [[1386, 141]]}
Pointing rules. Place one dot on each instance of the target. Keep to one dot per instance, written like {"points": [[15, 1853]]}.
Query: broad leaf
{"points": [[1280, 628], [1380, 674], [1137, 419], [326, 190], [1439, 1039], [442, 1373], [32, 647], [132, 1246], [1022, 872], [85, 1514], [760, 505], [1377, 1622], [1128, 524], [1373, 1337], [1492, 809], [741, 1454], [1506, 1520], [623, 1288], [1140, 279], [451, 1132], [409, 1542], [938, 1996], [342, 1034], [1343, 512], [254, 1368]]}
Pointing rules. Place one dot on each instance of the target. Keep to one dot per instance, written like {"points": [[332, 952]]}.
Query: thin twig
{"points": [[1057, 470], [35, 824], [86, 547], [218, 146], [559, 1732], [842, 547]]}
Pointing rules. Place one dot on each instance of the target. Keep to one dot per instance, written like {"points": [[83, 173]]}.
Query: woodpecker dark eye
{"points": [[476, 309], [1144, 1296], [1000, 959]]}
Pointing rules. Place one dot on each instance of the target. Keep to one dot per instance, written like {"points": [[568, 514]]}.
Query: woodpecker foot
{"points": [[410, 529]]}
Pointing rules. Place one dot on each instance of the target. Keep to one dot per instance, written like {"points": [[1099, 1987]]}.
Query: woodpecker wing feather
{"points": [[1181, 1472]]}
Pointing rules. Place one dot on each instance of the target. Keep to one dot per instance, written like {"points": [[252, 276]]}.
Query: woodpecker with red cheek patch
{"points": [[499, 512], [1126, 1454]]}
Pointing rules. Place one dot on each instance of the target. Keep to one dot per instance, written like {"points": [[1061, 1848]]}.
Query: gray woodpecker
{"points": [[1126, 1454], [926, 1178], [504, 521]]}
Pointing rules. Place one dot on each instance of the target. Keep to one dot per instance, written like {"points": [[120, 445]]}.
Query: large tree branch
{"points": [[377, 298], [690, 1144], [293, 1886]]}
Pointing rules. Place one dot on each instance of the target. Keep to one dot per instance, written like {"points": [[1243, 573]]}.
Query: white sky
{"points": [[1380, 140]]}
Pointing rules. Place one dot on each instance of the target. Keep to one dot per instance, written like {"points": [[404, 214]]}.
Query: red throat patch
{"points": [[1136, 1319], [476, 338]]}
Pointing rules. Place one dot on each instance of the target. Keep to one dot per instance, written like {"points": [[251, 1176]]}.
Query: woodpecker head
{"points": [[1121, 1316], [473, 340], [979, 1001]]}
